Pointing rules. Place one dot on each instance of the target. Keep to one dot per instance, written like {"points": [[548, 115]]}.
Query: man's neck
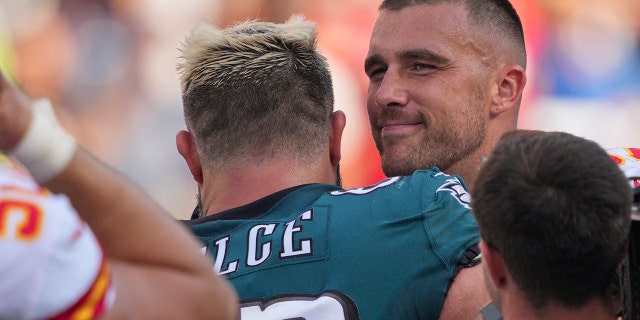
{"points": [[467, 168], [239, 186], [592, 310]]}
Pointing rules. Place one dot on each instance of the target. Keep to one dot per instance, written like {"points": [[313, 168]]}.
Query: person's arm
{"points": [[158, 270], [466, 296]]}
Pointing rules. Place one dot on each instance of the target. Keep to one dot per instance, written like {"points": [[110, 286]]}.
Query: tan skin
{"points": [[441, 94], [514, 304], [233, 185]]}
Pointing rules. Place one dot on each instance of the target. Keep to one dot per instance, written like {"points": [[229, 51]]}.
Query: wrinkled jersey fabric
{"points": [[387, 251]]}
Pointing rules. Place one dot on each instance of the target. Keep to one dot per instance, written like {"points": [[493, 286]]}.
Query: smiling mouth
{"points": [[398, 129]]}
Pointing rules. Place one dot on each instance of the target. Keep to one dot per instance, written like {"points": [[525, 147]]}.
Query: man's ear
{"points": [[509, 87], [496, 268], [336, 127], [187, 149]]}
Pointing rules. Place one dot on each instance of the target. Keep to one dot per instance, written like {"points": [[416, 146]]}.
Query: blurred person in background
{"points": [[588, 71], [591, 51]]}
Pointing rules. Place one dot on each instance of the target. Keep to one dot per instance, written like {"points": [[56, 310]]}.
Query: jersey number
{"points": [[330, 305], [27, 227]]}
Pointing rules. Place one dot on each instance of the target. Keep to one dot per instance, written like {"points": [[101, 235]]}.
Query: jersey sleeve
{"points": [[628, 159], [449, 223], [52, 265]]}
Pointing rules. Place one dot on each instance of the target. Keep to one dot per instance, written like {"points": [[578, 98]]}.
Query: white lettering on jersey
{"points": [[287, 240], [252, 255], [221, 246], [259, 236]]}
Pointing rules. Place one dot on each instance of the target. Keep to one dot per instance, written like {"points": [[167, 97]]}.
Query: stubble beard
{"points": [[440, 147]]}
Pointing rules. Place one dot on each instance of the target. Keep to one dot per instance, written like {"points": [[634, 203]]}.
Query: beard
{"points": [[440, 145], [198, 211], [338, 176]]}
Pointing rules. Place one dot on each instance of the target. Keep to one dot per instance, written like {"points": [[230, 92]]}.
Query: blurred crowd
{"points": [[109, 68]]}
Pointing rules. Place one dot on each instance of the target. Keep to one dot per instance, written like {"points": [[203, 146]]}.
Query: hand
{"points": [[15, 114]]}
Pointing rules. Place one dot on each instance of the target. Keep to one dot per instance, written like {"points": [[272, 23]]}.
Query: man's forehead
{"points": [[441, 29], [424, 17]]}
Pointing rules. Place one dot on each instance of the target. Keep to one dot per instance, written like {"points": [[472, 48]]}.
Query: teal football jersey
{"points": [[386, 251]]}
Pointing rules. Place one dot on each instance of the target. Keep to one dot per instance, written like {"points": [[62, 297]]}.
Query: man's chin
{"points": [[391, 168]]}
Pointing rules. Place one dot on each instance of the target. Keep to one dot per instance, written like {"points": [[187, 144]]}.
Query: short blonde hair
{"points": [[256, 89]]}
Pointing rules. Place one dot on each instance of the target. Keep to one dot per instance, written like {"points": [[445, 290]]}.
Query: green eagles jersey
{"points": [[386, 251]]}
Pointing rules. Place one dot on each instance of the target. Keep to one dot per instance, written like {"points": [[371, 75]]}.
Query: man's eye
{"points": [[377, 72], [422, 66]]}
